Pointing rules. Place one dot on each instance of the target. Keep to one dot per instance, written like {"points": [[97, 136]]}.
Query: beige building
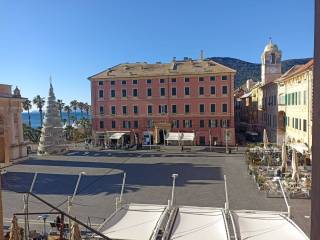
{"points": [[295, 106], [12, 145]]}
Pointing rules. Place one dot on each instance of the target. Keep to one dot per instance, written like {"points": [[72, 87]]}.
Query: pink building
{"points": [[136, 101]]}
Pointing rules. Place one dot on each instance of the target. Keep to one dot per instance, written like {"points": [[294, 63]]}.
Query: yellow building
{"points": [[12, 145], [295, 106]]}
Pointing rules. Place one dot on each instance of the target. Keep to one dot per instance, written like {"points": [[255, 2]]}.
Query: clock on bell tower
{"points": [[270, 63]]}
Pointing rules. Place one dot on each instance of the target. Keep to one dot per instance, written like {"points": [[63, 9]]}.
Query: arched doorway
{"points": [[162, 134], [2, 141]]}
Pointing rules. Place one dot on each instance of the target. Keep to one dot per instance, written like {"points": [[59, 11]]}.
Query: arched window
{"points": [[273, 58]]}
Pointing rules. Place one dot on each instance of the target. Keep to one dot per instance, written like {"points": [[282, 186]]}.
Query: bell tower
{"points": [[270, 63]]}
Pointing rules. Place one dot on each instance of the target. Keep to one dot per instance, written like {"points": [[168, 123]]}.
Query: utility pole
{"points": [[315, 196]]}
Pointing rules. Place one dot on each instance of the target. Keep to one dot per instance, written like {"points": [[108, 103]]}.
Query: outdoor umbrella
{"points": [[14, 230], [265, 139], [75, 232], [284, 158], [294, 162]]}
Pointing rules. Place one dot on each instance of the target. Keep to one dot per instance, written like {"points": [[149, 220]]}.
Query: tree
{"points": [[74, 105], [81, 107], [87, 109], [27, 106], [39, 102], [67, 109], [60, 107]]}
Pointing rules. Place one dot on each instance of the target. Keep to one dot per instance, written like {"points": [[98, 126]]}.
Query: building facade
{"points": [[295, 105], [12, 145], [144, 100]]}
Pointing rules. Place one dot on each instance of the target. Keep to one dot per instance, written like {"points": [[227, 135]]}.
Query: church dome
{"points": [[271, 47]]}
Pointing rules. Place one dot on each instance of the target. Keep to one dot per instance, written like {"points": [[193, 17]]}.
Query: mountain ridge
{"points": [[247, 70]]}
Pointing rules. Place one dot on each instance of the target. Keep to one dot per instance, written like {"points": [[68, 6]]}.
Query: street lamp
{"points": [[1, 210], [174, 176]]}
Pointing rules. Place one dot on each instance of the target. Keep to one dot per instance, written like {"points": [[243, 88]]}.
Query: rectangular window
{"points": [[175, 123], [186, 91], [135, 124], [224, 78], [173, 80], [174, 91], [113, 124], [149, 92], [201, 90], [163, 109], [224, 89], [213, 123], [296, 123], [187, 123], [113, 93], [299, 98], [100, 83], [124, 82], [288, 121], [201, 123], [101, 109], [113, 110], [201, 79], [124, 92], [186, 79], [112, 83], [304, 97], [150, 123], [292, 122], [201, 108], [162, 92], [124, 110], [135, 110], [135, 92], [149, 81], [162, 80], [213, 107], [135, 82], [212, 78], [292, 98], [212, 90], [124, 124], [187, 108], [149, 109], [296, 98], [100, 93], [304, 125], [299, 124], [224, 123], [101, 124], [224, 107], [174, 108]]}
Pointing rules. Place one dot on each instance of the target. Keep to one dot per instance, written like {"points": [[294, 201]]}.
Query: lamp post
{"points": [[174, 176], [70, 200]]}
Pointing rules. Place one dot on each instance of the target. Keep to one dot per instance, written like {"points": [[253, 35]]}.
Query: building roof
{"points": [[296, 69], [185, 67]]}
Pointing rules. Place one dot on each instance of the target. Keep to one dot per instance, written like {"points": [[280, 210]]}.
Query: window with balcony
{"points": [[187, 123], [224, 123], [163, 109], [213, 123], [175, 123], [101, 109]]}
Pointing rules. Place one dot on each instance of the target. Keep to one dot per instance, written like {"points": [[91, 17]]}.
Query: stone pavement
{"points": [[200, 183]]}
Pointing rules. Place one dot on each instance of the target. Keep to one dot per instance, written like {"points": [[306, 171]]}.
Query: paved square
{"points": [[200, 183]]}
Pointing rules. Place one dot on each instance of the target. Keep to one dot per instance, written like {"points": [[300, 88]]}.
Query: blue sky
{"points": [[74, 39]]}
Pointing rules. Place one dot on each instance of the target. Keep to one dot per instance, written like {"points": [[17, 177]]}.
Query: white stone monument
{"points": [[52, 139]]}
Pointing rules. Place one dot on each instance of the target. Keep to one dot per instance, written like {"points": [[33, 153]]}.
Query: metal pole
{"points": [[315, 195], [174, 176], [226, 139], [285, 199], [33, 181], [226, 191], [25, 216], [210, 140], [150, 140], [122, 187], [77, 185]]}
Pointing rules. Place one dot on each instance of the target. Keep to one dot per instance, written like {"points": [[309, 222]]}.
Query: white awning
{"points": [[179, 136], [263, 225], [201, 223], [116, 136], [300, 147], [246, 95], [133, 222], [173, 136]]}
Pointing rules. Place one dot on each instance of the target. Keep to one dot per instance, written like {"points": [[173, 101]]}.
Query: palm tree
{"points": [[81, 107], [67, 109], [60, 104], [87, 109], [74, 105], [27, 106], [39, 102]]}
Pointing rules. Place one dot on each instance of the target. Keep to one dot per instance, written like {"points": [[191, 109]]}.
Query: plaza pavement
{"points": [[200, 183]]}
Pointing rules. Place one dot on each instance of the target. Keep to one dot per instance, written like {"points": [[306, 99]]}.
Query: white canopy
{"points": [[179, 136], [201, 223], [300, 147], [116, 136], [262, 225], [133, 222]]}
